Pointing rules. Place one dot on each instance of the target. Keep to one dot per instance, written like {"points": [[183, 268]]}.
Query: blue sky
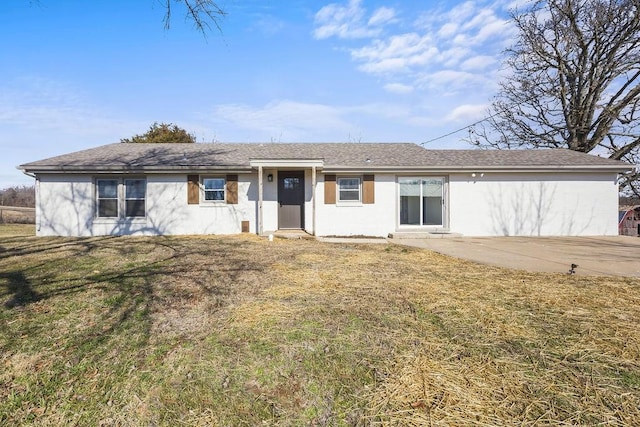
{"points": [[78, 74]]}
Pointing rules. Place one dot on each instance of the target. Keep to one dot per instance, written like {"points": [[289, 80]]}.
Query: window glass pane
{"points": [[349, 183], [432, 201], [108, 208], [214, 195], [213, 183], [291, 183], [134, 208], [409, 187], [107, 189], [214, 189], [409, 201], [135, 188], [432, 187], [349, 196], [349, 189]]}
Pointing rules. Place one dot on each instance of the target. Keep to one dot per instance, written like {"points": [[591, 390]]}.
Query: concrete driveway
{"points": [[601, 256]]}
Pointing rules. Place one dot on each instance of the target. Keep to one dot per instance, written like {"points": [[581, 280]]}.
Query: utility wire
{"points": [[517, 104], [461, 129]]}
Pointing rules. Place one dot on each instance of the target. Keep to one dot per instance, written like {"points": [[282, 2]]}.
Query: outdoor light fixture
{"points": [[270, 177]]}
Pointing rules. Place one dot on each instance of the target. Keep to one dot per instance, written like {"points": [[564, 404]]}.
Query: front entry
{"points": [[291, 200]]}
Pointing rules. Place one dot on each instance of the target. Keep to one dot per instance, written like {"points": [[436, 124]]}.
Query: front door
{"points": [[291, 199]]}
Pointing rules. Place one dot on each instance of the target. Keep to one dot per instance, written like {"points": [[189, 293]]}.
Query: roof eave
{"points": [[134, 169], [480, 168]]}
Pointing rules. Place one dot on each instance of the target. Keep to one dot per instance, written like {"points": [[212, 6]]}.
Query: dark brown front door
{"points": [[291, 199]]}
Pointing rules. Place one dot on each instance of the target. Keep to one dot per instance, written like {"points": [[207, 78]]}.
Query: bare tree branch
{"points": [[575, 81], [202, 13]]}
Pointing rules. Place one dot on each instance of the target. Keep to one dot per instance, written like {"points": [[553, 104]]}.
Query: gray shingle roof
{"points": [[166, 157]]}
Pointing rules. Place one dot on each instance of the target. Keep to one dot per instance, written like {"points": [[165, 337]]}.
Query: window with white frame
{"points": [[214, 189], [107, 198], [135, 197], [422, 201], [349, 189], [121, 198]]}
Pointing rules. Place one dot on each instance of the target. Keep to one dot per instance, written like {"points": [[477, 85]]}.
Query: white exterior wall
{"points": [[533, 204], [496, 204], [66, 207], [377, 219], [270, 200]]}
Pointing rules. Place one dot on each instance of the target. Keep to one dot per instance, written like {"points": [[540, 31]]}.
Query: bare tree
{"points": [[574, 82], [202, 13], [22, 196]]}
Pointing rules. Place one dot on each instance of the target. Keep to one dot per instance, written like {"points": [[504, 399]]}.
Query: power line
{"points": [[461, 129], [481, 120]]}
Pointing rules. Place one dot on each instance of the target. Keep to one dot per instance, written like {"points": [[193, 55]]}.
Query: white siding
{"points": [[533, 204], [66, 207], [377, 219], [496, 204]]}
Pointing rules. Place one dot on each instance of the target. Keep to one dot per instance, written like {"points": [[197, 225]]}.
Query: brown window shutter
{"points": [[329, 189], [232, 189], [368, 189], [193, 189]]}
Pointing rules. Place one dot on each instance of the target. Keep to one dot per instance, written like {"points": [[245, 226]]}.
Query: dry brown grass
{"points": [[241, 331]]}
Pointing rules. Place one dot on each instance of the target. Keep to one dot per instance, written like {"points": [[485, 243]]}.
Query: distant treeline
{"points": [[21, 196]]}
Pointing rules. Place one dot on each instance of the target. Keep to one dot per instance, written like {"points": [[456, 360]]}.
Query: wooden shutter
{"points": [[193, 189], [329, 189], [232, 189], [368, 189]]}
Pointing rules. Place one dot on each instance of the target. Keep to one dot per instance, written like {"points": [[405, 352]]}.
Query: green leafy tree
{"points": [[162, 132], [573, 82]]}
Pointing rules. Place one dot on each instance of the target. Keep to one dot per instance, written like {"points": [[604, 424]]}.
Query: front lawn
{"points": [[240, 331]]}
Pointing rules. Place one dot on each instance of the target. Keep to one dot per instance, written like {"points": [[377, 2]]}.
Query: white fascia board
{"points": [[135, 170], [465, 169]]}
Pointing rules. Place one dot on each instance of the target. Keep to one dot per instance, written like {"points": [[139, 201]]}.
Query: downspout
{"points": [[260, 197], [37, 190]]}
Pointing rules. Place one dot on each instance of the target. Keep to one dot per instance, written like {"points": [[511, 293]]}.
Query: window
{"points": [[349, 189], [135, 194], [118, 198], [421, 201], [213, 189], [108, 198], [291, 183]]}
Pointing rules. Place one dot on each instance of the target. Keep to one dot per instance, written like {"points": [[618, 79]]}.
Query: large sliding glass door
{"points": [[422, 201]]}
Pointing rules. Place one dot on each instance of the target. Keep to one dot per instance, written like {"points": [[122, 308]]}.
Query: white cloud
{"points": [[285, 119], [349, 21], [452, 81], [478, 63], [45, 104], [291, 121], [398, 88], [396, 54], [448, 30], [458, 47], [467, 113], [381, 16]]}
